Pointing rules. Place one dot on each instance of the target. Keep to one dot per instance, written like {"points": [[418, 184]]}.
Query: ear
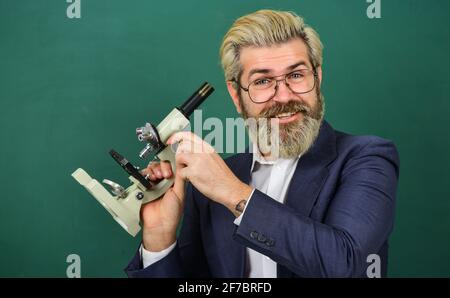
{"points": [[319, 74], [234, 96]]}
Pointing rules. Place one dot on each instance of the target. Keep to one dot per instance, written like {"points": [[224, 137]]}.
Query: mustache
{"points": [[292, 106]]}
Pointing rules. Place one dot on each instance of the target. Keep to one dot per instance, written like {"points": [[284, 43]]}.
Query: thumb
{"points": [[179, 186]]}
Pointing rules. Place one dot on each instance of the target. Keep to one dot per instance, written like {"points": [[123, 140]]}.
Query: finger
{"points": [[152, 171], [184, 173], [166, 169], [197, 146], [156, 170], [183, 136], [190, 142], [182, 160], [177, 137], [179, 186], [148, 174], [185, 147]]}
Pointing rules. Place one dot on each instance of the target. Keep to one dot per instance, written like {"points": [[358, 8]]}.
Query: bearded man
{"points": [[304, 201]]}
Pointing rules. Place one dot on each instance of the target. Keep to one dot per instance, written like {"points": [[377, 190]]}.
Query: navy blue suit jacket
{"points": [[339, 209]]}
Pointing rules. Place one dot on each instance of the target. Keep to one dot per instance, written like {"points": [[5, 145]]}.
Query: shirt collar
{"points": [[258, 158]]}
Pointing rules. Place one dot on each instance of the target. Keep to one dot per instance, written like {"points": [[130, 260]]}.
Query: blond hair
{"points": [[264, 28]]}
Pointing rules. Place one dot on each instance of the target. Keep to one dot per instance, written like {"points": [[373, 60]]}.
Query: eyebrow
{"points": [[266, 70]]}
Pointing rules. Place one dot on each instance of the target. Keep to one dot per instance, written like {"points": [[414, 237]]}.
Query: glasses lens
{"points": [[301, 81], [262, 90]]}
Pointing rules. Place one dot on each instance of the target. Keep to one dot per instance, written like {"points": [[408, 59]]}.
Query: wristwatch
{"points": [[240, 206]]}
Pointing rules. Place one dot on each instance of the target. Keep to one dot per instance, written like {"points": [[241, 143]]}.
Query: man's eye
{"points": [[262, 82], [296, 75]]}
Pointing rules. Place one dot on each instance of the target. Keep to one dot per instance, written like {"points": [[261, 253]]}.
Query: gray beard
{"points": [[285, 140]]}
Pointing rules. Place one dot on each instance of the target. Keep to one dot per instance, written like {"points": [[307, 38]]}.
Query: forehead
{"points": [[275, 58]]}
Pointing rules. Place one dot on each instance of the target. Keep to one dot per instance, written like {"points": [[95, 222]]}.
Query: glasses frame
{"points": [[276, 84]]}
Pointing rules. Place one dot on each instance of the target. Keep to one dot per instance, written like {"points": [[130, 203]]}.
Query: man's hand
{"points": [[197, 161], [161, 217]]}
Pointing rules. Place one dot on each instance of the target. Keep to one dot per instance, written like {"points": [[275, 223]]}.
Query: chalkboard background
{"points": [[71, 89]]}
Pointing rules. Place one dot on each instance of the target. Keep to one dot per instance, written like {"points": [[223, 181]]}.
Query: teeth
{"points": [[284, 115]]}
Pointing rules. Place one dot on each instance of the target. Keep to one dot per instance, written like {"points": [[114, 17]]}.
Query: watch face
{"points": [[240, 206]]}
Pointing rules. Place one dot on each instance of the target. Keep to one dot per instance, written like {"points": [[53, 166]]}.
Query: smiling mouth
{"points": [[288, 114], [285, 115]]}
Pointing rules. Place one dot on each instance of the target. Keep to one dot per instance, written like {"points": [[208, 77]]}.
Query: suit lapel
{"points": [[312, 171], [309, 177], [304, 188], [233, 253]]}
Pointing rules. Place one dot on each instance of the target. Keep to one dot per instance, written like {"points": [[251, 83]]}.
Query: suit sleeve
{"points": [[187, 259], [358, 221]]}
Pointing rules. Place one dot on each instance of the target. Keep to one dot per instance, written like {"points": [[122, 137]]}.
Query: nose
{"points": [[282, 92]]}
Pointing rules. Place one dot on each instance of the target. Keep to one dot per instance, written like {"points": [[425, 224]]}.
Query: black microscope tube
{"points": [[196, 99]]}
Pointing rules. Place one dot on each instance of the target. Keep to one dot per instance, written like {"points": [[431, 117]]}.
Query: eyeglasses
{"points": [[264, 89]]}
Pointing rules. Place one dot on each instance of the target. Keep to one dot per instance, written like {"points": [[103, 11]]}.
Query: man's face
{"points": [[298, 116]]}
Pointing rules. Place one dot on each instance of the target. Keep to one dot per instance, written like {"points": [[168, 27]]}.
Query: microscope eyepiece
{"points": [[196, 99]]}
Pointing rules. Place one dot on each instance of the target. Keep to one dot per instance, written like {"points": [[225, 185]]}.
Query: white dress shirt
{"points": [[270, 177]]}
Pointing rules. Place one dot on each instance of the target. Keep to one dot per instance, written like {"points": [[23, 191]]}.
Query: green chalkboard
{"points": [[73, 88]]}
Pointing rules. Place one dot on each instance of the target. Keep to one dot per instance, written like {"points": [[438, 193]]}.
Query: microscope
{"points": [[124, 204]]}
